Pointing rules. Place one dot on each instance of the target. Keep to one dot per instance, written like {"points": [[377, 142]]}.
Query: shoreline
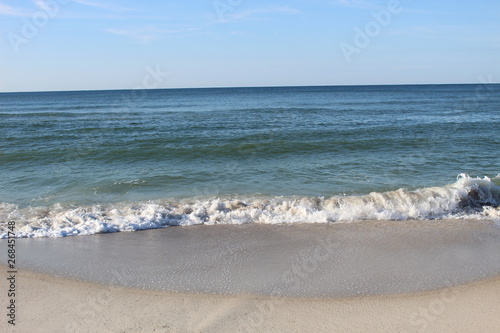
{"points": [[366, 276], [36, 275], [48, 303], [335, 260]]}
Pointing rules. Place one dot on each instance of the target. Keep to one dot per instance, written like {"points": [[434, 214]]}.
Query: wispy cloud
{"points": [[43, 5], [252, 13], [411, 67], [48, 7], [361, 4], [139, 35], [149, 34], [464, 31], [6, 10], [364, 5], [418, 31], [103, 5]]}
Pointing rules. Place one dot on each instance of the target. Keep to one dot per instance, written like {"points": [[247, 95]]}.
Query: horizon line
{"points": [[253, 87]]}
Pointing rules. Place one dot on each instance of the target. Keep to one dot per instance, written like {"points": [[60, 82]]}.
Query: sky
{"points": [[109, 44]]}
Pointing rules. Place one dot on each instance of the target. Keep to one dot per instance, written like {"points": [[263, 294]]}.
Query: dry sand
{"points": [[50, 304]]}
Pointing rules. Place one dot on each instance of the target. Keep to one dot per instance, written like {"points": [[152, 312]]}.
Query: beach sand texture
{"points": [[369, 276], [50, 304]]}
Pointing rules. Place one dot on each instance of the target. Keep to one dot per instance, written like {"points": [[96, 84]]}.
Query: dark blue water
{"points": [[107, 147]]}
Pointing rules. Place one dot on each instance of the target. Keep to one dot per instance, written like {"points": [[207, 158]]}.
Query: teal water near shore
{"points": [[76, 163]]}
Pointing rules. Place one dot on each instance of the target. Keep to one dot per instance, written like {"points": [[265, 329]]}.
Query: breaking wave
{"points": [[467, 198]]}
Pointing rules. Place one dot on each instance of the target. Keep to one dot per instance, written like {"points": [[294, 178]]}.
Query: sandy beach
{"points": [[249, 166], [369, 276], [50, 304]]}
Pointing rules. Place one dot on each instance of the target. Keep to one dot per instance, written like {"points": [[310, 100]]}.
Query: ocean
{"points": [[87, 162]]}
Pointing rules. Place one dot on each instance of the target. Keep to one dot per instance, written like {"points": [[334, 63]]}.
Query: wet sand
{"points": [[336, 260], [372, 276]]}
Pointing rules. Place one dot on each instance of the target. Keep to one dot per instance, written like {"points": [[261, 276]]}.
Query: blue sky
{"points": [[111, 44]]}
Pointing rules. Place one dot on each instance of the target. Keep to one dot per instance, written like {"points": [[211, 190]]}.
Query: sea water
{"points": [[86, 162]]}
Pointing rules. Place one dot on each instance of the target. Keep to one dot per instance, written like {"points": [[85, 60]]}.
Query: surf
{"points": [[468, 197]]}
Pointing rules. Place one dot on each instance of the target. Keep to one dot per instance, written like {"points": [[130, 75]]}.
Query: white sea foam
{"points": [[466, 198]]}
